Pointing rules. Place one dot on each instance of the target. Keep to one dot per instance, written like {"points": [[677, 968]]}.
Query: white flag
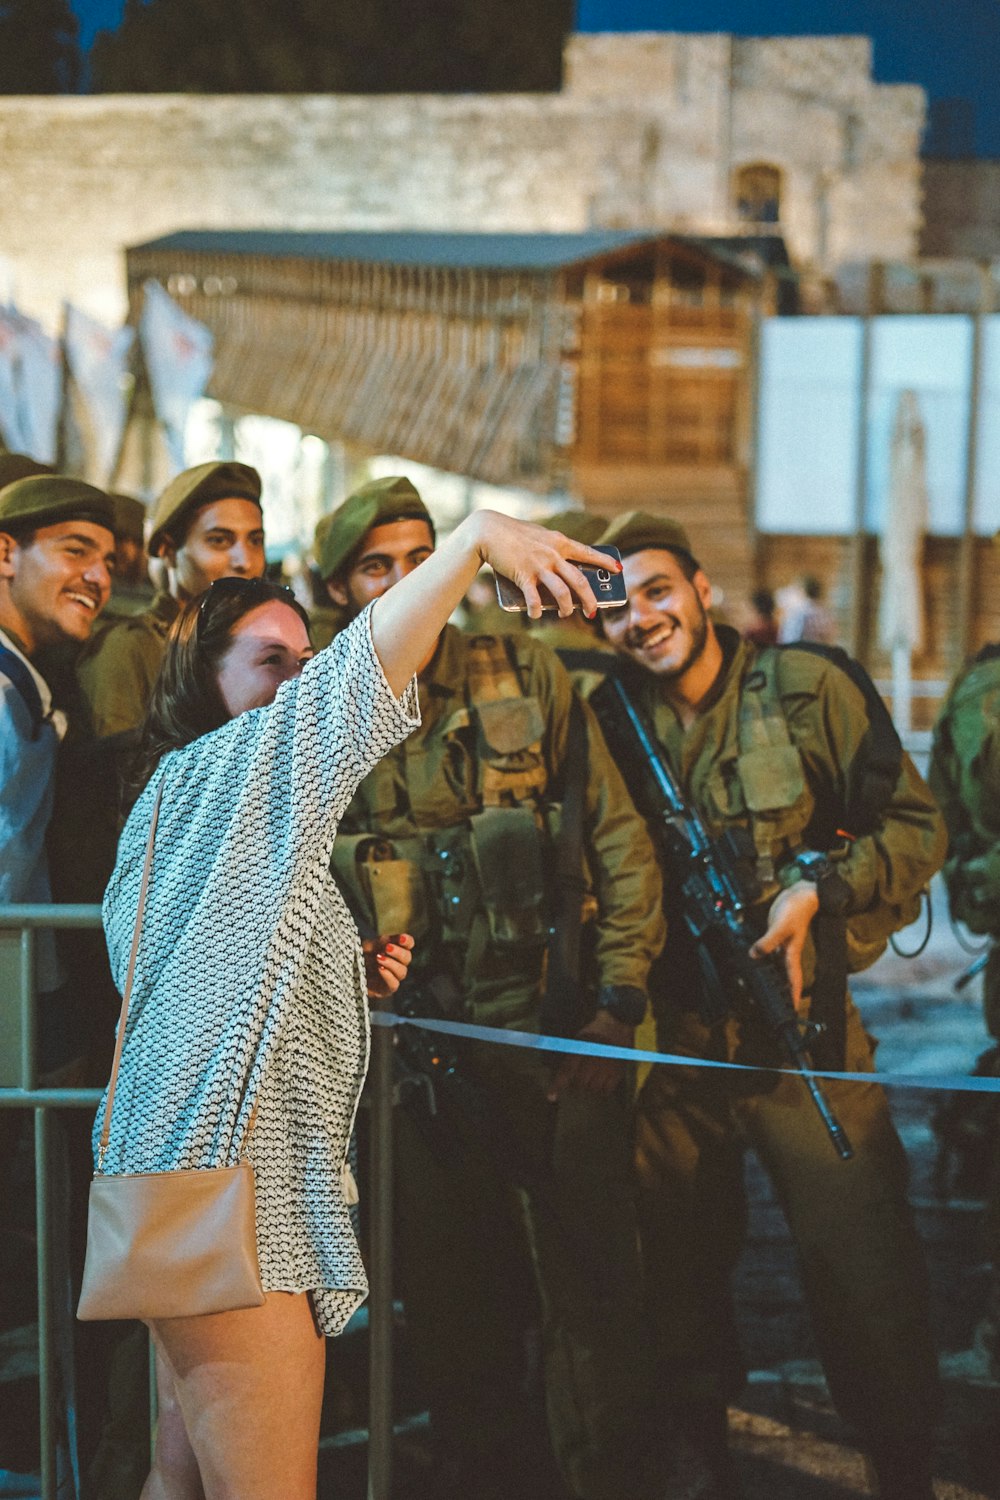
{"points": [[98, 362], [11, 431], [178, 354], [40, 386]]}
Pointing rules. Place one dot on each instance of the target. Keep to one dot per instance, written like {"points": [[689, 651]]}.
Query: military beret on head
{"points": [[392, 499], [130, 517], [20, 466], [200, 486], [46, 499], [637, 530], [579, 525]]}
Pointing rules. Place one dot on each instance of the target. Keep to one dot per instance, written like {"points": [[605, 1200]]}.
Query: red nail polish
{"points": [[390, 948]]}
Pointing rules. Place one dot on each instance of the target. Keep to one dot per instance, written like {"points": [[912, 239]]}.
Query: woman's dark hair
{"points": [[186, 702]]}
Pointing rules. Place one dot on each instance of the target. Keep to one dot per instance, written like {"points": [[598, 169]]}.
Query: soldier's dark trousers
{"points": [[861, 1261], [463, 1255]]}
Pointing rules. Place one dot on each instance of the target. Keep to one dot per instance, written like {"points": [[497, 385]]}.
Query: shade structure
{"points": [[901, 604], [505, 357]]}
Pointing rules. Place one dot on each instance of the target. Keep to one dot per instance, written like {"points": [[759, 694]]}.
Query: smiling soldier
{"points": [[207, 524], [791, 749], [57, 550]]}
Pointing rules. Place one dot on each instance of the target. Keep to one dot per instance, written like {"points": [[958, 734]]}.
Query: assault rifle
{"points": [[712, 886]]}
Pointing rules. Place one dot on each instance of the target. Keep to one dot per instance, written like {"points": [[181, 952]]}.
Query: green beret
{"points": [[637, 530], [130, 517], [200, 486], [45, 499], [579, 525], [20, 466], [392, 499]]}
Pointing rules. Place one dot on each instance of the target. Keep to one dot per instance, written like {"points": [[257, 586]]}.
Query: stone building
{"points": [[699, 134]]}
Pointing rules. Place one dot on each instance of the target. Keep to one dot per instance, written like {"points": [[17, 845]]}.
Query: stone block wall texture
{"points": [[647, 133]]}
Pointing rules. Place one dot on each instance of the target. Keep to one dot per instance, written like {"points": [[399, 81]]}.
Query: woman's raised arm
{"points": [[407, 620]]}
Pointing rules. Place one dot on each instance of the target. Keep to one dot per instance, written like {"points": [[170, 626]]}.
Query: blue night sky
{"points": [[951, 47]]}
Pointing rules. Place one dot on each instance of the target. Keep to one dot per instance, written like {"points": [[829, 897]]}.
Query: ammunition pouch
{"points": [[434, 886]]}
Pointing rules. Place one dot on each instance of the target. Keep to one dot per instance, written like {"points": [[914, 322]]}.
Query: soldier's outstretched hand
{"points": [[787, 928], [386, 962]]}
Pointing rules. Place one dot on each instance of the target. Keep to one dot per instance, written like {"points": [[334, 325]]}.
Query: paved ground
{"points": [[789, 1440], [789, 1443]]}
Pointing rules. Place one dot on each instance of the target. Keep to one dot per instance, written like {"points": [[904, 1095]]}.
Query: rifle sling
{"points": [[560, 1008]]}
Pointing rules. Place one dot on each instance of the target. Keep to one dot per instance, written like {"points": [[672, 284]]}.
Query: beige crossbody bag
{"points": [[167, 1244]]}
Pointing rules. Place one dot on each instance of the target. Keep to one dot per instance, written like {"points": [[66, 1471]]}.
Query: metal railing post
{"points": [[27, 998], [46, 1393], [380, 1415]]}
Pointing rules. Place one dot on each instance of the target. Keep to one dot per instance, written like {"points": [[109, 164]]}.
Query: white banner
{"points": [[11, 430], [98, 363], [40, 387], [178, 354]]}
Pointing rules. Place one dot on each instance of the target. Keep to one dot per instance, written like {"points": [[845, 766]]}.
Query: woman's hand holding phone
{"points": [[536, 559]]}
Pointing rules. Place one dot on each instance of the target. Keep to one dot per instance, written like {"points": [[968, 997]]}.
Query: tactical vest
{"points": [[478, 882], [782, 814]]}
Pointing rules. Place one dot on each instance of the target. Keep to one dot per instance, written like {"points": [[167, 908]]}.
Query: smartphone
{"points": [[609, 588]]}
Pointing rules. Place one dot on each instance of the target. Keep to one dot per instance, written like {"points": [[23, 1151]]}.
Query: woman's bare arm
{"points": [[407, 620]]}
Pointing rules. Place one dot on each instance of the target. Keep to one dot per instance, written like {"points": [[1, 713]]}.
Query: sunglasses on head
{"points": [[241, 588]]}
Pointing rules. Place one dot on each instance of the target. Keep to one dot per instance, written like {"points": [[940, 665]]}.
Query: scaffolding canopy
{"points": [[528, 359]]}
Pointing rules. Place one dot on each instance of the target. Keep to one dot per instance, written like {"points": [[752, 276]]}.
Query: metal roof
{"points": [[493, 252]]}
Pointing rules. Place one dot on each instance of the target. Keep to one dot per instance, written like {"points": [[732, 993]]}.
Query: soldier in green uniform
{"points": [[132, 591], [965, 779], [456, 838], [207, 525], [773, 741]]}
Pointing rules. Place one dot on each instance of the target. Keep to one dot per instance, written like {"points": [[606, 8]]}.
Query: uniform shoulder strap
{"points": [[492, 669], [873, 776], [14, 669]]}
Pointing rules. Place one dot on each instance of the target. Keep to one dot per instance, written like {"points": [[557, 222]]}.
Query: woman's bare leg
{"points": [[175, 1474], [249, 1385]]}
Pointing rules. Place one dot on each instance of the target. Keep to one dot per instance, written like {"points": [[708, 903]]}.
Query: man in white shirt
{"points": [[56, 555]]}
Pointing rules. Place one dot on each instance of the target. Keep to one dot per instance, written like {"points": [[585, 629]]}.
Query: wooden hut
{"points": [[615, 365]]}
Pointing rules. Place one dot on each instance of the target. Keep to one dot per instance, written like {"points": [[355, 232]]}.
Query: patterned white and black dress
{"points": [[250, 986]]}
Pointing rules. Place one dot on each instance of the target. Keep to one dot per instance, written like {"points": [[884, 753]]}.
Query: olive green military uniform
{"points": [[772, 750], [119, 665], [451, 840], [965, 779]]}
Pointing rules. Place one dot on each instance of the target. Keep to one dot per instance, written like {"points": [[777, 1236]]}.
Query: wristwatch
{"points": [[625, 1002], [832, 889]]}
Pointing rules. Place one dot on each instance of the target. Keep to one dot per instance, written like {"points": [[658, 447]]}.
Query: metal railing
{"points": [[19, 1089]]}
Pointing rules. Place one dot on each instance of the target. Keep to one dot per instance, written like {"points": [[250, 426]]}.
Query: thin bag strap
{"points": [[120, 1042]]}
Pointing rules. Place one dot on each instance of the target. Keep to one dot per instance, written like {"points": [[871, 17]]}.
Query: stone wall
{"points": [[647, 132]]}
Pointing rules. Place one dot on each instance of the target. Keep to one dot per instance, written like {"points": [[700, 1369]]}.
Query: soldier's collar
{"points": [[733, 647]]}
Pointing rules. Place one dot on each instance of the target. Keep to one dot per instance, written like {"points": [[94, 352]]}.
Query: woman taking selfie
{"points": [[247, 1029]]}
